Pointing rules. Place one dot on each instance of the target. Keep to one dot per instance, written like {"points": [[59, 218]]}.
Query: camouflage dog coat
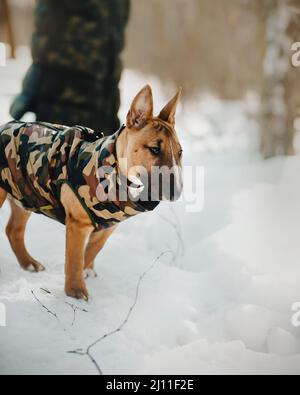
{"points": [[37, 158]]}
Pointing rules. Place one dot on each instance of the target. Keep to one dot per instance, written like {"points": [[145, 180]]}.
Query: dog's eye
{"points": [[180, 153], [155, 150]]}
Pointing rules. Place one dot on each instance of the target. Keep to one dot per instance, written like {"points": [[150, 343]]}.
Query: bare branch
{"points": [[46, 291], [88, 351], [43, 306], [180, 249], [75, 309]]}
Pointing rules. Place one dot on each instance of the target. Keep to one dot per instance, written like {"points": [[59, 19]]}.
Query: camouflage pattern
{"points": [[37, 158], [76, 66]]}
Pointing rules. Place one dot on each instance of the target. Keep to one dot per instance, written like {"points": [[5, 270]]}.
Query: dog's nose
{"points": [[166, 184]]}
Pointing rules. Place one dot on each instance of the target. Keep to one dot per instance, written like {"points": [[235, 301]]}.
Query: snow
{"points": [[223, 306]]}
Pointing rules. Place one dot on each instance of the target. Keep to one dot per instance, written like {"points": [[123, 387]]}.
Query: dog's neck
{"points": [[121, 144]]}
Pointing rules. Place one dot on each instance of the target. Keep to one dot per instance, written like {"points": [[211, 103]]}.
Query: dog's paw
{"points": [[78, 291], [90, 273], [33, 267]]}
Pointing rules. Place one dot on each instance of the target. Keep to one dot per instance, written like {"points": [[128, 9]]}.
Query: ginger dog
{"points": [[75, 177]]}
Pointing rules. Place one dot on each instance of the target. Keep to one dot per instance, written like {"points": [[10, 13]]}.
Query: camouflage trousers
{"points": [[74, 78]]}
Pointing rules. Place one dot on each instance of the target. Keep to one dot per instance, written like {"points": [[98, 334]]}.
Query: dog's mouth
{"points": [[148, 190], [135, 186]]}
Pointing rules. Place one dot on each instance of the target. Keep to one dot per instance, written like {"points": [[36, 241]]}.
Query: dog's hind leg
{"points": [[95, 245], [3, 196], [15, 231]]}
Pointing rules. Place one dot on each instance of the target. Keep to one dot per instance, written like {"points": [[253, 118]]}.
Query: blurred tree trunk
{"points": [[278, 96], [5, 10]]}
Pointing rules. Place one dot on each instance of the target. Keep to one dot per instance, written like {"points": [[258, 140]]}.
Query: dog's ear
{"points": [[168, 113], [141, 110]]}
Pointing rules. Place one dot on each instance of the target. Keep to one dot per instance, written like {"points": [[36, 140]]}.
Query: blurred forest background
{"points": [[225, 47]]}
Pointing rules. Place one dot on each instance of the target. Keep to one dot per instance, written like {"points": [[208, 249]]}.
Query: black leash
{"points": [[92, 136]]}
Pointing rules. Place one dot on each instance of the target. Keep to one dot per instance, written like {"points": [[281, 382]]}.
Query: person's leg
{"points": [[76, 64]]}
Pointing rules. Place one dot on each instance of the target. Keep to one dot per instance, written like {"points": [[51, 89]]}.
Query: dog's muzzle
{"points": [[161, 185]]}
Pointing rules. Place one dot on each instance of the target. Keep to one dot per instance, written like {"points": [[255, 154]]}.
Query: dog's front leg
{"points": [[79, 229], [95, 245]]}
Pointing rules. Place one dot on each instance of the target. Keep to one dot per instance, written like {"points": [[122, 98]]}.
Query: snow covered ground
{"points": [[224, 305]]}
